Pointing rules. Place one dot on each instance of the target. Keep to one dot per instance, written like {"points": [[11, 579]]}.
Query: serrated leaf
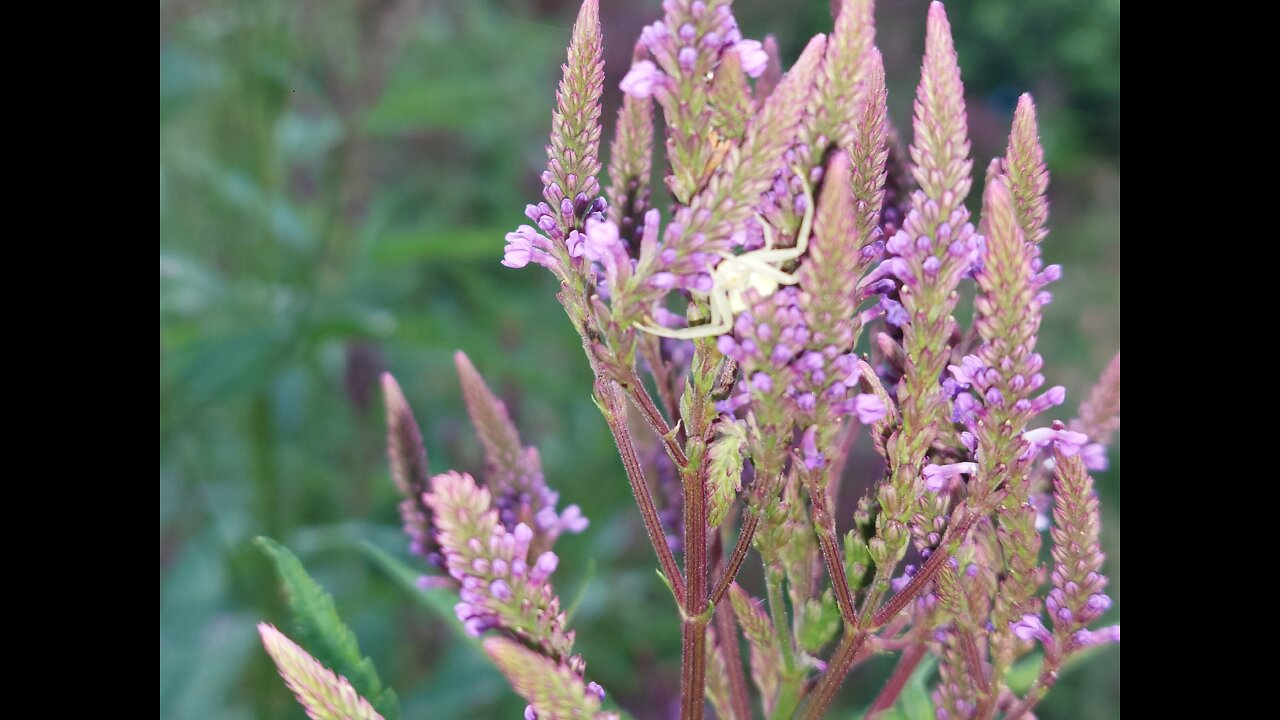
{"points": [[725, 477], [320, 627], [323, 694]]}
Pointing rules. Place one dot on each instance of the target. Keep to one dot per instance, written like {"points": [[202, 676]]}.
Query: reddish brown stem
{"points": [[616, 417], [661, 372], [750, 520], [1048, 676], [727, 635], [911, 657], [693, 669], [693, 632], [829, 684], [825, 526], [922, 578], [841, 661], [635, 389], [973, 659]]}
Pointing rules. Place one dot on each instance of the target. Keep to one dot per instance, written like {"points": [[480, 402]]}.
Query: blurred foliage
{"points": [[335, 181]]}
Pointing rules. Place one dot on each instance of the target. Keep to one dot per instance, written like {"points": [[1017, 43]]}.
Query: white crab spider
{"points": [[736, 274]]}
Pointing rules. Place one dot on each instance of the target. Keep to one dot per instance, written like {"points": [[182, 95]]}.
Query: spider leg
{"points": [[766, 230], [762, 267], [779, 255], [721, 314], [806, 227], [806, 224], [719, 322], [655, 329]]}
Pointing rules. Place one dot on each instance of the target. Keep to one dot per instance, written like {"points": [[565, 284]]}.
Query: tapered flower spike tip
{"points": [[1007, 317], [322, 693], [844, 73], [503, 584], [1028, 176], [489, 415], [782, 112], [408, 458], [941, 147], [1100, 412], [513, 471], [869, 156], [730, 197], [831, 271], [631, 159], [1077, 597], [405, 451], [574, 153], [553, 691], [1007, 276]]}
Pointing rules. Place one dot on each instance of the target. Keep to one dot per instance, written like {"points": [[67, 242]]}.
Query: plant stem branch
{"points": [[693, 668], [616, 417], [829, 684], [701, 415], [750, 520], [1048, 676], [660, 370], [973, 659], [635, 390], [888, 695], [727, 635], [778, 614], [825, 526], [927, 571], [840, 663]]}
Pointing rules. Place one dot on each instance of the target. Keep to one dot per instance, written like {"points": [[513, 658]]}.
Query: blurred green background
{"points": [[335, 181]]}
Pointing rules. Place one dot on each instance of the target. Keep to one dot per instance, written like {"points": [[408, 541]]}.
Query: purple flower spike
{"points": [[1095, 456], [754, 58], [1030, 628], [894, 313], [937, 477], [869, 408], [546, 565], [642, 80], [1085, 638], [1067, 441]]}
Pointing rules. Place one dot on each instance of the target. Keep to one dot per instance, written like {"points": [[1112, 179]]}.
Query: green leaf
{"points": [[1023, 673], [438, 601], [323, 632], [819, 623]]}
